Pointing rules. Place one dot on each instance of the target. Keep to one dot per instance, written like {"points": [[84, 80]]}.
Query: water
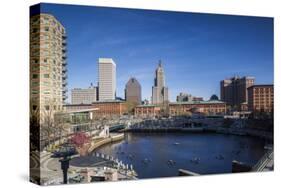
{"points": [[216, 152]]}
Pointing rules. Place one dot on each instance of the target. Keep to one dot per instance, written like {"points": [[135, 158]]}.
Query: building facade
{"points": [[184, 97], [106, 79], [48, 71], [147, 111], [205, 107], [261, 98], [197, 99], [133, 91], [76, 107], [234, 90], [84, 96], [159, 90], [113, 108]]}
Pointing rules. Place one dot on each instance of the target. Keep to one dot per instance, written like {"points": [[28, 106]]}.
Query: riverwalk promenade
{"points": [[98, 164]]}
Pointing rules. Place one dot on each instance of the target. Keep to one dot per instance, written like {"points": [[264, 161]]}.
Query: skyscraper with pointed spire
{"points": [[159, 90]]}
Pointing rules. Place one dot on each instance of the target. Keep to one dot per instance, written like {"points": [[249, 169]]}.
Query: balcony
{"points": [[64, 42], [64, 83], [64, 77], [64, 57], [64, 62]]}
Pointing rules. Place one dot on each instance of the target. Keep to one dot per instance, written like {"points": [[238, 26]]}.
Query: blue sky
{"points": [[197, 50]]}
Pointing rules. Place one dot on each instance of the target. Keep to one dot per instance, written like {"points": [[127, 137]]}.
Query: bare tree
{"points": [[47, 125], [34, 132]]}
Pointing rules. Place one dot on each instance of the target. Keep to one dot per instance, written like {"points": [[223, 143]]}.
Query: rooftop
{"points": [[200, 102], [147, 105], [107, 60], [66, 105], [261, 85], [109, 101]]}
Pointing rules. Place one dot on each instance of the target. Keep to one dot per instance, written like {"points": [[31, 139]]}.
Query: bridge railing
{"points": [[262, 162]]}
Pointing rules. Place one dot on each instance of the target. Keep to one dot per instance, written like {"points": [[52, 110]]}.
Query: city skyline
{"points": [[183, 41], [98, 136]]}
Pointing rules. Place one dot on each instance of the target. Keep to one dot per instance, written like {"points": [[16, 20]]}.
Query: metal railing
{"points": [[261, 164]]}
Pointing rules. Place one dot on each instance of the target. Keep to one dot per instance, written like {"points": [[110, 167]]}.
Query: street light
{"points": [[91, 122], [65, 153]]}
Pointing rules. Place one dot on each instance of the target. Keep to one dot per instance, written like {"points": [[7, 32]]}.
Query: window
{"points": [[35, 83], [46, 28], [46, 76], [34, 68], [47, 107], [46, 83], [35, 76], [45, 60], [34, 107]]}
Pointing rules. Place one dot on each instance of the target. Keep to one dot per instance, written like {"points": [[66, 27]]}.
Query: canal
{"points": [[162, 154]]}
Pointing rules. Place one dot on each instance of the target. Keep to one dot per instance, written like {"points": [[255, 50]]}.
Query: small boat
{"points": [[195, 160], [176, 143], [220, 157], [171, 162], [145, 161], [130, 157]]}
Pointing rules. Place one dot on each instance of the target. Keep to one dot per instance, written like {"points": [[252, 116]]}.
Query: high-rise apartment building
{"points": [[133, 91], [159, 91], [261, 98], [84, 96], [234, 90], [48, 73], [107, 79]]}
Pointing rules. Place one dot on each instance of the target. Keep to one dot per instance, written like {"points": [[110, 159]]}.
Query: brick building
{"points": [[104, 108], [206, 107], [148, 110], [261, 98], [234, 90], [110, 108]]}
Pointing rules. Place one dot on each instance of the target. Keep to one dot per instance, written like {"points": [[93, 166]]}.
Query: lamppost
{"points": [[65, 154], [64, 166], [91, 122]]}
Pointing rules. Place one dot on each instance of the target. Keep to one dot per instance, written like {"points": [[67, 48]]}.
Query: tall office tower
{"points": [[234, 90], [159, 91], [107, 79], [133, 91], [84, 96], [48, 71]]}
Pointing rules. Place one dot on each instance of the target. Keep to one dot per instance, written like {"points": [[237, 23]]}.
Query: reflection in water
{"points": [[162, 154]]}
